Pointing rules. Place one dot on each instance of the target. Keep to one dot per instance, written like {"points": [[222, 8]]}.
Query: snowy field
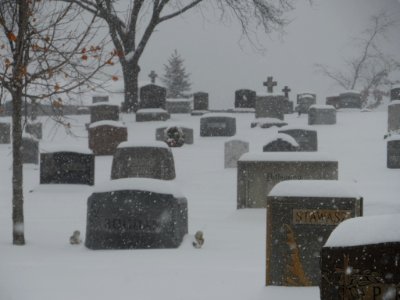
{"points": [[231, 265]]}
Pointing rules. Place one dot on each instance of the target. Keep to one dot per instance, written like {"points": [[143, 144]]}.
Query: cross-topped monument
{"points": [[270, 84], [286, 90], [153, 75]]}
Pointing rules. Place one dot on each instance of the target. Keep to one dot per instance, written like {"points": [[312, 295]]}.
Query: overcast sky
{"points": [[320, 33]]}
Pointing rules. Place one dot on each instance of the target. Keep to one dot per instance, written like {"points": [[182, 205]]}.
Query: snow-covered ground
{"points": [[231, 265]]}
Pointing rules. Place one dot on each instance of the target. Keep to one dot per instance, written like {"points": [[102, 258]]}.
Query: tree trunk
{"points": [[17, 178], [131, 71]]}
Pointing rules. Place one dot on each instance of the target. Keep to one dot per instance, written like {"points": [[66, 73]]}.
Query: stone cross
{"points": [[270, 84], [153, 76], [286, 90]]}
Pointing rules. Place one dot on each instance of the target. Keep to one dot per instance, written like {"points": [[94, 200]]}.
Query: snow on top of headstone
{"points": [[142, 83], [151, 110], [141, 184], [284, 137], [322, 106], [350, 92], [293, 127], [106, 123], [393, 137], [268, 120], [315, 188], [103, 103], [217, 115], [365, 231], [394, 102], [149, 144], [179, 100], [65, 148], [306, 95], [285, 156], [278, 94]]}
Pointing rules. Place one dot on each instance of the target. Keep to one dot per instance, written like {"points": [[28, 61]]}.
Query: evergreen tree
{"points": [[175, 78]]}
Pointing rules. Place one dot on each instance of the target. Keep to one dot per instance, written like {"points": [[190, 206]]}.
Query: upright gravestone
{"points": [[103, 111], [217, 125], [395, 93], [30, 150], [200, 101], [162, 134], [5, 132], [245, 98], [394, 116], [68, 165], [258, 173], [281, 143], [153, 96], [100, 98], [289, 105], [179, 106], [393, 152], [233, 150], [360, 260], [147, 160], [334, 101], [136, 213], [350, 99], [321, 115], [35, 129], [304, 101], [306, 137], [105, 136], [270, 106], [300, 217]]}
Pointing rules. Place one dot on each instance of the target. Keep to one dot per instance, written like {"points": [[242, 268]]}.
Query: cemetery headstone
{"points": [[334, 101], [281, 143], [147, 160], [161, 134], [304, 101], [300, 217], [152, 114], [307, 138], [217, 125], [350, 99], [321, 115], [271, 106], [394, 116], [34, 129], [83, 110], [360, 259], [233, 150], [395, 93], [5, 133], [103, 111], [179, 106], [30, 150], [153, 96], [99, 98], [200, 101], [67, 165], [245, 98], [136, 213], [105, 136], [267, 123], [258, 173], [270, 83], [393, 152]]}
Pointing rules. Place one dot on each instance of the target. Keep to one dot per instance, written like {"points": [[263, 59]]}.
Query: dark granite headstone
{"points": [[258, 173], [334, 101], [105, 136], [135, 214], [153, 160], [161, 134], [34, 129], [393, 152], [245, 98], [102, 111], [365, 266], [289, 106], [30, 150], [69, 166], [395, 93], [350, 99], [5, 133], [306, 138], [272, 106], [304, 101], [153, 96], [300, 217], [179, 106], [234, 149], [217, 125], [321, 115], [152, 114], [281, 143], [97, 99], [394, 116], [200, 101]]}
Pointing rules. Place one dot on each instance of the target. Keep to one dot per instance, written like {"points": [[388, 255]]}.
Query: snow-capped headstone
{"points": [[300, 217], [394, 116], [393, 152], [258, 173], [100, 98], [281, 143], [270, 106], [350, 99], [217, 125], [245, 98], [307, 138], [360, 260], [395, 93], [200, 101], [143, 160], [334, 101], [152, 114], [161, 134], [105, 136], [67, 165], [267, 123], [30, 150], [34, 129], [321, 115], [153, 96], [136, 213], [104, 111], [304, 101], [233, 150], [5, 131], [179, 106]]}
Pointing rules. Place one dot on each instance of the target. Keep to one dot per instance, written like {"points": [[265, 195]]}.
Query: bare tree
{"points": [[132, 26], [45, 52], [370, 69]]}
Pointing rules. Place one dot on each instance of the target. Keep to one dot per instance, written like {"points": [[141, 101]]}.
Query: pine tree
{"points": [[175, 78]]}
